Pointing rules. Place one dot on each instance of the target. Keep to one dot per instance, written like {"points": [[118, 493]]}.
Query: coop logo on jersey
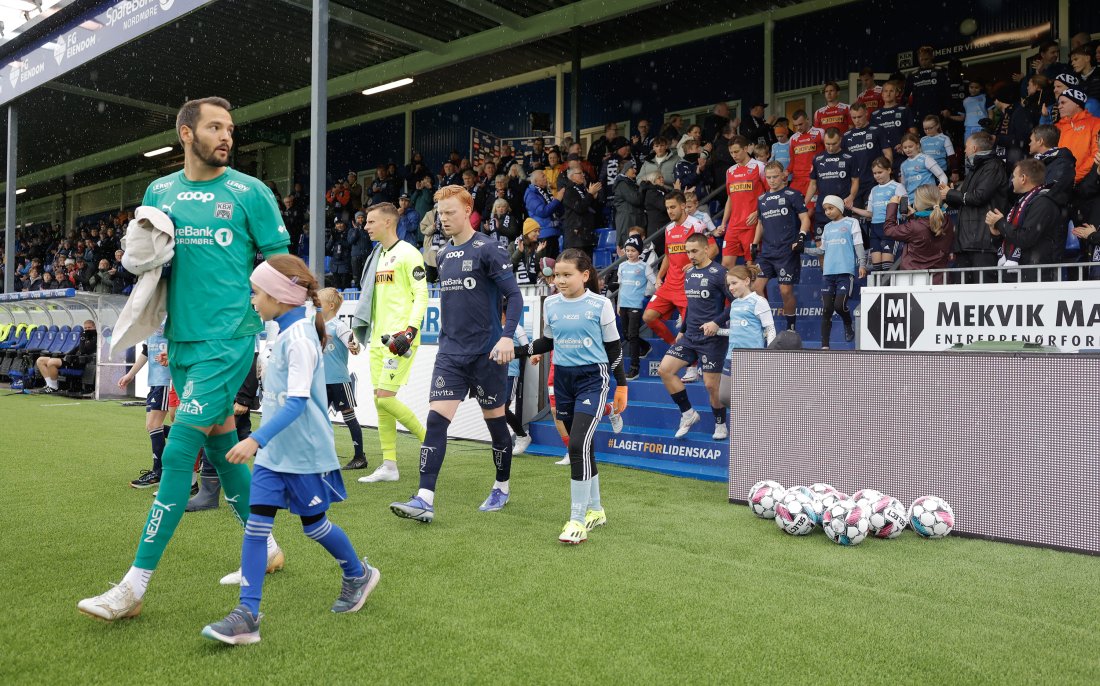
{"points": [[895, 321], [195, 195], [224, 210], [224, 237]]}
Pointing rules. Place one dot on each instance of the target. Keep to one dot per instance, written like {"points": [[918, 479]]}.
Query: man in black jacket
{"points": [[1061, 167], [1031, 230], [581, 209], [985, 188]]}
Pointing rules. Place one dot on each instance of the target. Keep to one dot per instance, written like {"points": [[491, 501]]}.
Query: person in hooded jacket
{"points": [[628, 202], [662, 159], [653, 190], [984, 188]]}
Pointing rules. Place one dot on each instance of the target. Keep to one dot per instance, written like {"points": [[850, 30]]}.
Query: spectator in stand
{"points": [[581, 208], [756, 128], [450, 175], [806, 144], [503, 188], [870, 92], [501, 225], [937, 145], [1062, 82], [895, 121], [338, 247], [715, 122], [975, 107], [1083, 61], [421, 196], [355, 191], [660, 160], [337, 199], [545, 209], [518, 183], [928, 89], [690, 171], [303, 243], [653, 200], [293, 218], [360, 243], [603, 147], [554, 168], [47, 283], [744, 185], [1061, 167], [1046, 64], [834, 114], [103, 280], [123, 280], [831, 174], [507, 158], [671, 129], [691, 202], [415, 170], [612, 167], [64, 276], [434, 241], [1078, 130], [693, 133], [628, 203], [984, 188], [526, 251], [641, 143], [865, 143], [408, 221], [383, 188], [928, 233], [536, 157], [84, 272], [1031, 229], [720, 160]]}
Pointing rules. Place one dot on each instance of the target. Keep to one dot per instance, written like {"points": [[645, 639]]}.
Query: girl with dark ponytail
{"points": [[296, 468]]}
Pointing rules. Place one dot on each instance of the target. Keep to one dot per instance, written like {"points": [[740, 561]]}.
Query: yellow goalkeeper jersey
{"points": [[400, 292]]}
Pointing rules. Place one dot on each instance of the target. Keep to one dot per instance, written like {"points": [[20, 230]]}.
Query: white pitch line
{"points": [[59, 404]]}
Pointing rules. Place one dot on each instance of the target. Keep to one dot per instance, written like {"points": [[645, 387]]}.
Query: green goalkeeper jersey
{"points": [[400, 292], [220, 226]]}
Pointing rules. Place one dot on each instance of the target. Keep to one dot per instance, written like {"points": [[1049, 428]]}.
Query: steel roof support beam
{"points": [[490, 10], [370, 24], [111, 97]]}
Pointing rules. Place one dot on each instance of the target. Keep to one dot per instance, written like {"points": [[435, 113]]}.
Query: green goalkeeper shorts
{"points": [[207, 376]]}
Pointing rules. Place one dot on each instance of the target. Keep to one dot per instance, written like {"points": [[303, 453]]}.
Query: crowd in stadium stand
{"points": [[557, 196]]}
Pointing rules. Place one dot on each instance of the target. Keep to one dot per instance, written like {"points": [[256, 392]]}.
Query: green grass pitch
{"points": [[679, 587]]}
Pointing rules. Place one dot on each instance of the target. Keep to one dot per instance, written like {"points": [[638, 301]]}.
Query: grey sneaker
{"points": [[354, 592], [238, 628]]}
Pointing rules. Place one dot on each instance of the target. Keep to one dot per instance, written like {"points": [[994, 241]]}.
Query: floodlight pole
{"points": [[10, 183], [575, 91], [318, 139]]}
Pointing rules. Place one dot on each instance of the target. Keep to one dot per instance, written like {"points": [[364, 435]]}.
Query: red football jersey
{"points": [[676, 235], [744, 185], [804, 148], [833, 116], [872, 98]]}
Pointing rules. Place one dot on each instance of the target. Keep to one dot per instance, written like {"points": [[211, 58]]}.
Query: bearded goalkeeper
{"points": [[388, 320]]}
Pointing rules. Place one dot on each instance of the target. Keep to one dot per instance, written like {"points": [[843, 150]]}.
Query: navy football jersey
{"points": [[894, 122], [864, 145], [833, 173], [471, 300], [778, 212], [706, 299]]}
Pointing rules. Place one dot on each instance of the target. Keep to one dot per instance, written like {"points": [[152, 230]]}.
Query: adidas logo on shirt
{"points": [[587, 402], [316, 501]]}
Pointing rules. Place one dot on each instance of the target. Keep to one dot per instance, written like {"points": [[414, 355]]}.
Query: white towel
{"points": [[148, 245]]}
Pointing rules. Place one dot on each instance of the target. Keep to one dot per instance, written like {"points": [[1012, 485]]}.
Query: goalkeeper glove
{"points": [[399, 343], [800, 244], [619, 405]]}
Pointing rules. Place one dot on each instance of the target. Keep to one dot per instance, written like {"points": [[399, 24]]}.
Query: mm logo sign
{"points": [[895, 321]]}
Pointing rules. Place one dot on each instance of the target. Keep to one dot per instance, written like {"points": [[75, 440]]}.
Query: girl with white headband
{"points": [[296, 468]]}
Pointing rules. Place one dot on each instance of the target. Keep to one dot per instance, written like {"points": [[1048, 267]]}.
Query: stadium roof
{"points": [[95, 122]]}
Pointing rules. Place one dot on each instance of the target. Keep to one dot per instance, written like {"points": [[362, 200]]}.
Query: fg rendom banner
{"points": [[87, 37], [1063, 315]]}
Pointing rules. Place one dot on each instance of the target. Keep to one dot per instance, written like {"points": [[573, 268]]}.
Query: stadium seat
{"points": [[605, 239]]}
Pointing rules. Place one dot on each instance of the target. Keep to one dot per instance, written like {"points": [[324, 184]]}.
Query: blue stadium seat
{"points": [[605, 239]]}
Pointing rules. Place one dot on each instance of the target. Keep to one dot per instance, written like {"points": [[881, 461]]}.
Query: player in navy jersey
{"points": [[476, 284], [577, 321], [894, 120], [296, 466], [831, 174], [844, 255], [707, 311], [864, 142], [780, 239]]}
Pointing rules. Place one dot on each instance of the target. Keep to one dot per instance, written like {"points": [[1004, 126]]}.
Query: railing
{"points": [[1065, 271]]}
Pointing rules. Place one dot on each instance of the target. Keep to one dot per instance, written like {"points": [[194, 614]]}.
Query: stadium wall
{"points": [[1005, 449]]}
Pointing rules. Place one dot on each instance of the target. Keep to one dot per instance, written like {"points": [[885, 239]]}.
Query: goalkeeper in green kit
{"points": [[222, 219]]}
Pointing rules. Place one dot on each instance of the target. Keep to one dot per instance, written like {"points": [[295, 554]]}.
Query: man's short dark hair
{"points": [[676, 195], [834, 84], [862, 107], [1033, 169], [697, 238], [660, 140], [832, 132], [982, 140], [1047, 134], [867, 71], [189, 113], [798, 114], [1043, 47], [384, 208]]}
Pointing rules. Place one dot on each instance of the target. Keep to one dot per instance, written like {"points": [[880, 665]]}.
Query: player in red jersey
{"points": [[871, 93], [744, 184], [835, 113], [806, 143], [670, 279]]}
